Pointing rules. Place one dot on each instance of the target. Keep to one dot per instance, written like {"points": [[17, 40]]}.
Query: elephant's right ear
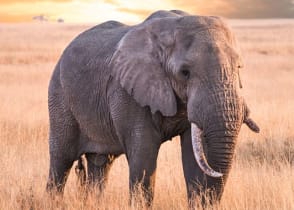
{"points": [[136, 64]]}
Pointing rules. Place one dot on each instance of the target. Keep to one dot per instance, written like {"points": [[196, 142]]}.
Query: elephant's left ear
{"points": [[136, 65]]}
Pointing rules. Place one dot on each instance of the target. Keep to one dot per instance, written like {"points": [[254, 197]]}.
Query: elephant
{"points": [[120, 89]]}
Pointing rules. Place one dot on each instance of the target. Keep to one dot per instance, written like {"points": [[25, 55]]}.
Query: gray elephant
{"points": [[120, 89]]}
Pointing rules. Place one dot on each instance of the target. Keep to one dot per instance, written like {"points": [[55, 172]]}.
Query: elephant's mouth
{"points": [[199, 152]]}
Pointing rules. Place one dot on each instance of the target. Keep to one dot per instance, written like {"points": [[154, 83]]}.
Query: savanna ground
{"points": [[262, 176]]}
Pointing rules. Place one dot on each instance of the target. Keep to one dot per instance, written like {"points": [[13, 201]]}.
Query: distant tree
{"points": [[60, 20], [41, 18]]}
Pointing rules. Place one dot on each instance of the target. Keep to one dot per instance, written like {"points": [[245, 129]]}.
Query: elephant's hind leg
{"points": [[98, 168], [63, 144]]}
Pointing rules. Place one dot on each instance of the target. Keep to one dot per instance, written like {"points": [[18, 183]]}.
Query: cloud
{"points": [[139, 12], [133, 11], [71, 11], [227, 8], [240, 8], [15, 17], [262, 9], [30, 1]]}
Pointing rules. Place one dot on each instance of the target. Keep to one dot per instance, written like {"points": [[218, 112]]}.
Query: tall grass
{"points": [[262, 176]]}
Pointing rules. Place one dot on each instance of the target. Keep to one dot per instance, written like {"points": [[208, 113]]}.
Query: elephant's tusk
{"points": [[199, 153]]}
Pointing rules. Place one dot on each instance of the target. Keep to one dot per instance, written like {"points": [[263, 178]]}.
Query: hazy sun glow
{"points": [[71, 11], [131, 11], [94, 10]]}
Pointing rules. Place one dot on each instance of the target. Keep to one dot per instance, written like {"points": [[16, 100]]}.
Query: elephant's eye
{"points": [[186, 73]]}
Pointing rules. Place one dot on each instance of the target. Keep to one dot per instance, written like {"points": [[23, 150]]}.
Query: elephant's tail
{"points": [[80, 170]]}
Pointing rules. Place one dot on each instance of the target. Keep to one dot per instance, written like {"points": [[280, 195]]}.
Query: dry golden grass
{"points": [[262, 176]]}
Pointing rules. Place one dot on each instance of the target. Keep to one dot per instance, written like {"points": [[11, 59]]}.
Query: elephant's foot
{"points": [[56, 181], [198, 197], [141, 195], [142, 183], [58, 173]]}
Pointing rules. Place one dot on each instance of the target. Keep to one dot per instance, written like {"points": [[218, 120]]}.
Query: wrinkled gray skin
{"points": [[120, 89]]}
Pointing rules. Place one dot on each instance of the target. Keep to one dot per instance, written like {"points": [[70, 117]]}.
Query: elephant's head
{"points": [[193, 59]]}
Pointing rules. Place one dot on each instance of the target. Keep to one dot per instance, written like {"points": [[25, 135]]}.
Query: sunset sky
{"points": [[135, 10]]}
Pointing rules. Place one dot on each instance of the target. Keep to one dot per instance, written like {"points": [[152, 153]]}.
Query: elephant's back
{"points": [[85, 60], [92, 47], [85, 74]]}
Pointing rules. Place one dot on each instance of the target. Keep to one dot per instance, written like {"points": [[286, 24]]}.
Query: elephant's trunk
{"points": [[221, 125]]}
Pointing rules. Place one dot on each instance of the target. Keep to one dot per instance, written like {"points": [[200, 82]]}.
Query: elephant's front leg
{"points": [[142, 156], [197, 183], [192, 172]]}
